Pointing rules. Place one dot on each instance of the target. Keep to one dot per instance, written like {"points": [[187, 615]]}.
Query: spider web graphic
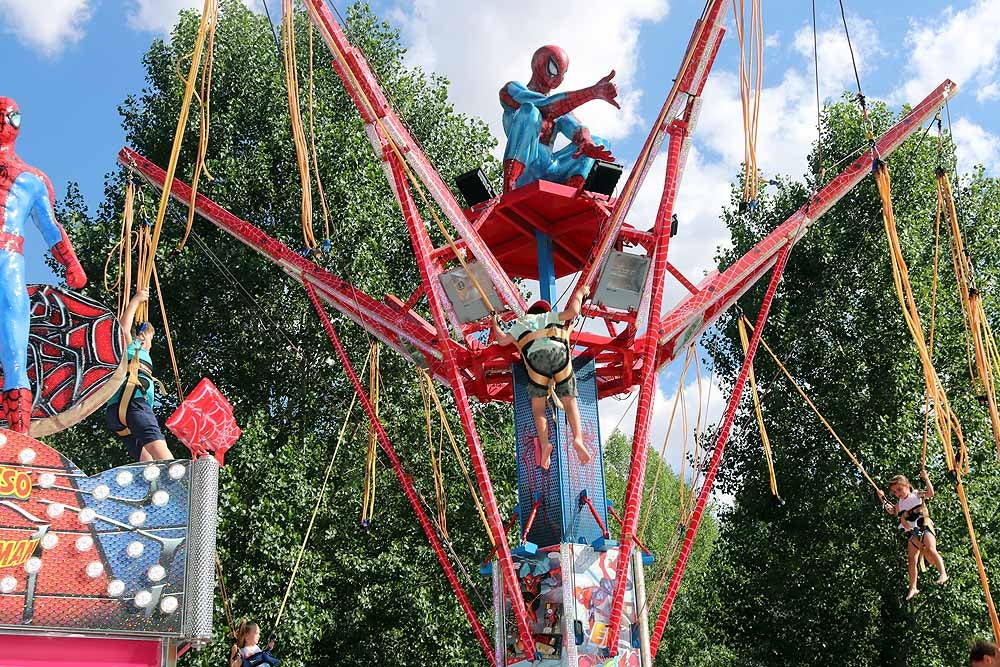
{"points": [[204, 421], [76, 357]]}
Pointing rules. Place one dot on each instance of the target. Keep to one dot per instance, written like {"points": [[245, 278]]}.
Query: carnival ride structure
{"points": [[546, 231]]}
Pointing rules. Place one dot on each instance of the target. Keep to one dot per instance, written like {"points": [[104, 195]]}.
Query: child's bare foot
{"points": [[943, 578], [545, 455], [912, 594], [582, 452]]}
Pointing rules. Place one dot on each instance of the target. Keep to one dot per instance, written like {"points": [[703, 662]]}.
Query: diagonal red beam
{"points": [[698, 311], [690, 80], [720, 446], [647, 385], [404, 479], [385, 128], [379, 318], [423, 250]]}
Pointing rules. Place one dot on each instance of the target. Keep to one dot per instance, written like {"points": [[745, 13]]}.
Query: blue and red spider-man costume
{"points": [[532, 118], [25, 192]]}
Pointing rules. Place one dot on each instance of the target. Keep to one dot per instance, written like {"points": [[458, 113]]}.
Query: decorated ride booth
{"points": [[116, 568]]}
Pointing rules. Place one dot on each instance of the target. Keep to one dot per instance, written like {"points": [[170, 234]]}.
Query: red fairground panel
{"points": [[76, 349], [106, 554], [204, 422], [572, 219], [48, 651]]}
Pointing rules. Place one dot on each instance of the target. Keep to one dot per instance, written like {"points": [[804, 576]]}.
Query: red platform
{"points": [[572, 219]]}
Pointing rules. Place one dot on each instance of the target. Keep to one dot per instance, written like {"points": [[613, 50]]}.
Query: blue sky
{"points": [[70, 63]]}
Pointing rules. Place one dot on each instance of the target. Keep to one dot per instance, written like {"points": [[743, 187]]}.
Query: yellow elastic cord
{"points": [[813, 407], [204, 98], [768, 455], [312, 138], [298, 132], [446, 426], [209, 14], [374, 385], [977, 326], [440, 497], [946, 422], [751, 84]]}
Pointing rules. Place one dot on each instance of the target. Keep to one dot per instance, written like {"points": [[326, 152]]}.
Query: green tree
{"points": [[688, 641], [820, 580], [360, 598]]}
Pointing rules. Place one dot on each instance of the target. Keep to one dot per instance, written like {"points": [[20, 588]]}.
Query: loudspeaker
{"points": [[603, 178], [475, 187]]}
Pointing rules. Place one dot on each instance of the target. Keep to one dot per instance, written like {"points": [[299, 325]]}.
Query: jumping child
{"points": [[916, 525], [131, 417], [542, 337], [246, 652]]}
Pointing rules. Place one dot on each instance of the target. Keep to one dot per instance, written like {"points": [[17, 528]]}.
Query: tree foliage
{"points": [[821, 579], [359, 598]]}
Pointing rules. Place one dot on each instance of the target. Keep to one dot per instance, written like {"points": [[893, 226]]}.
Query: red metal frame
{"points": [[623, 359], [385, 129], [720, 445], [404, 480], [647, 386]]}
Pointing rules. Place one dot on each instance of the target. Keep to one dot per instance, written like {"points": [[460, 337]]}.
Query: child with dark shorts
{"points": [[131, 417], [542, 337]]}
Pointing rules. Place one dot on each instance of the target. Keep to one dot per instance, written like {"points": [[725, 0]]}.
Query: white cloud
{"points": [[48, 27], [962, 45], [158, 15], [988, 93], [479, 48], [161, 15], [713, 404], [975, 146], [836, 70]]}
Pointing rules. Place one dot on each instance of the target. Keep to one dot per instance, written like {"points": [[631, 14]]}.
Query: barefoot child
{"points": [[542, 337], [916, 524]]}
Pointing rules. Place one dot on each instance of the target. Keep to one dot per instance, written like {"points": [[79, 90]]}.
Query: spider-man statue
{"points": [[532, 118], [25, 192]]}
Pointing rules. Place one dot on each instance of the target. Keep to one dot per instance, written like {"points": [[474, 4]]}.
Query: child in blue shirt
{"points": [[133, 421]]}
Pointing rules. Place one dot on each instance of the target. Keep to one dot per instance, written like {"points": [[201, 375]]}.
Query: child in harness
{"points": [[916, 525], [542, 337], [246, 652], [129, 414]]}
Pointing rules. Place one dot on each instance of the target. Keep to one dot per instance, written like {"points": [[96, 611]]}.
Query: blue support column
{"points": [[546, 269]]}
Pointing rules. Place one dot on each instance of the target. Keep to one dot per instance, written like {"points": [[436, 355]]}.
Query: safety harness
{"points": [[920, 518], [559, 332], [140, 377]]}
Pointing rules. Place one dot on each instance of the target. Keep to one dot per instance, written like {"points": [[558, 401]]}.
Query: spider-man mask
{"points": [[10, 121], [548, 66]]}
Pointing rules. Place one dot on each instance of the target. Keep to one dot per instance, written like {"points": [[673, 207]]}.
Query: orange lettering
{"points": [[16, 552], [14, 484]]}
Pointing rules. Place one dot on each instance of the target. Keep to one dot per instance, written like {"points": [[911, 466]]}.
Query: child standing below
{"points": [[916, 525], [542, 337], [246, 652]]}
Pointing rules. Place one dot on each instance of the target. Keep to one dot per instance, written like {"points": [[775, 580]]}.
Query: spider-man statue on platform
{"points": [[532, 118], [25, 192]]}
